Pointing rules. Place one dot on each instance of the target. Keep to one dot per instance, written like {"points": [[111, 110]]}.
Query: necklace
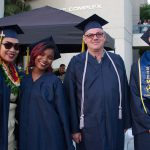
{"points": [[11, 77]]}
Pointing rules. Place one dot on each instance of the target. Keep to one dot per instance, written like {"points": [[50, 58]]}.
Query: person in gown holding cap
{"points": [[9, 85], [97, 92], [140, 98], [43, 117]]}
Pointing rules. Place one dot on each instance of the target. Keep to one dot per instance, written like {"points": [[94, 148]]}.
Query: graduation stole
{"points": [[11, 76], [144, 77]]}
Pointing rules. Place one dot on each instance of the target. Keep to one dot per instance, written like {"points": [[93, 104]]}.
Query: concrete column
{"points": [[124, 37], [1, 8]]}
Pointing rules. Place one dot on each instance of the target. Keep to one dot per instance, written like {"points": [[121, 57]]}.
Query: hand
{"points": [[77, 137]]}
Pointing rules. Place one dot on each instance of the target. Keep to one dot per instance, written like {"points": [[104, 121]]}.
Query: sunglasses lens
{"points": [[8, 45], [16, 46]]}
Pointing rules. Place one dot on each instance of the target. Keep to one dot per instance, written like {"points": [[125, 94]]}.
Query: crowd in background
{"points": [[143, 25]]}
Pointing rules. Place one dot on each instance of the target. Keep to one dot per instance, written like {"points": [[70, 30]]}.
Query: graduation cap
{"points": [[145, 37], [93, 21], [11, 31], [48, 43]]}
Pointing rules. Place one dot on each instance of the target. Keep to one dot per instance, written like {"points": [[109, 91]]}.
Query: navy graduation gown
{"points": [[140, 120], [43, 121], [4, 112], [103, 130]]}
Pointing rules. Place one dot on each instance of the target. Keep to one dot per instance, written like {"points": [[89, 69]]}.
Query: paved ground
{"points": [[129, 140]]}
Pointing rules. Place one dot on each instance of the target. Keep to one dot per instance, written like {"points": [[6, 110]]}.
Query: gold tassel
{"points": [[83, 46], [27, 63], [1, 39], [2, 35]]}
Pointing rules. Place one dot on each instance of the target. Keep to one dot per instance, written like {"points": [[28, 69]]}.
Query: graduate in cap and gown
{"points": [[9, 84], [43, 117], [97, 92], [140, 98]]}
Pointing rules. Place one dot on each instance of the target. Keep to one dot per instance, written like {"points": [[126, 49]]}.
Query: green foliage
{"points": [[15, 6], [145, 12]]}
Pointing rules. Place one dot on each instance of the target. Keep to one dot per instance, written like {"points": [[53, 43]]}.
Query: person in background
{"points": [[140, 98], [145, 26], [97, 91], [139, 25], [43, 117], [9, 84], [60, 73]]}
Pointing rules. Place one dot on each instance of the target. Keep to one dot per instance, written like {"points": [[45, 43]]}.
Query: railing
{"points": [[140, 28]]}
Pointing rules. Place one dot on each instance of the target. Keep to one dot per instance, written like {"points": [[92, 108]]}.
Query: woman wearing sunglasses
{"points": [[43, 118], [9, 84]]}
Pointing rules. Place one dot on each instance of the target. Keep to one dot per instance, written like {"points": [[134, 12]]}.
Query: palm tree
{"points": [[15, 6], [145, 12]]}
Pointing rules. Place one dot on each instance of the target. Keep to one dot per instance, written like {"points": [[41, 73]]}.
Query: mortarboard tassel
{"points": [[83, 46], [120, 112], [2, 35], [27, 63], [81, 121], [1, 38]]}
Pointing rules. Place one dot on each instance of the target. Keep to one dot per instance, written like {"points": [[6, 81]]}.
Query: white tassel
{"points": [[81, 121], [120, 112]]}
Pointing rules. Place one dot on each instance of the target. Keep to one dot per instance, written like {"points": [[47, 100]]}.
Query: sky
{"points": [[148, 1]]}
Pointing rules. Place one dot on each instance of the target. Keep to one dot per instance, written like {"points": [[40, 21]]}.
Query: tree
{"points": [[145, 12], [15, 6]]}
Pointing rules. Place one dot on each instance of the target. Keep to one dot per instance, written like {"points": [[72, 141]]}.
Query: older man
{"points": [[97, 91]]}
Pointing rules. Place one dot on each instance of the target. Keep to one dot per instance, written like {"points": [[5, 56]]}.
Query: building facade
{"points": [[119, 14], [1, 8]]}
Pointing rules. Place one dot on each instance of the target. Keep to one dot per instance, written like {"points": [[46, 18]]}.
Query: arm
{"points": [[125, 98], [70, 89], [61, 108], [127, 110], [1, 95]]}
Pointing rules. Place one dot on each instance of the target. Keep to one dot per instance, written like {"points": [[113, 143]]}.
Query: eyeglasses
{"points": [[9, 45], [98, 35]]}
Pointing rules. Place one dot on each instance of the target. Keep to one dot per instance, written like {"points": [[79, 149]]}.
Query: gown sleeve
{"points": [[127, 110], [1, 93], [0, 87], [140, 120], [70, 89], [61, 108]]}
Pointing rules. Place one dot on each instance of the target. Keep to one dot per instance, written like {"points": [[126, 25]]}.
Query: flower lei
{"points": [[11, 77]]}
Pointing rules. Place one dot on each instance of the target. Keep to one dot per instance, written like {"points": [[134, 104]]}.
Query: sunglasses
{"points": [[9, 45]]}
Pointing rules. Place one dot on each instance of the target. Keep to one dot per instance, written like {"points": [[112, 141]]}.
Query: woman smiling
{"points": [[9, 85], [43, 117]]}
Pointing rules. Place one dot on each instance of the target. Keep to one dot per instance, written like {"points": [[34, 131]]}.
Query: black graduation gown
{"points": [[140, 120], [4, 112], [43, 121], [103, 130]]}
